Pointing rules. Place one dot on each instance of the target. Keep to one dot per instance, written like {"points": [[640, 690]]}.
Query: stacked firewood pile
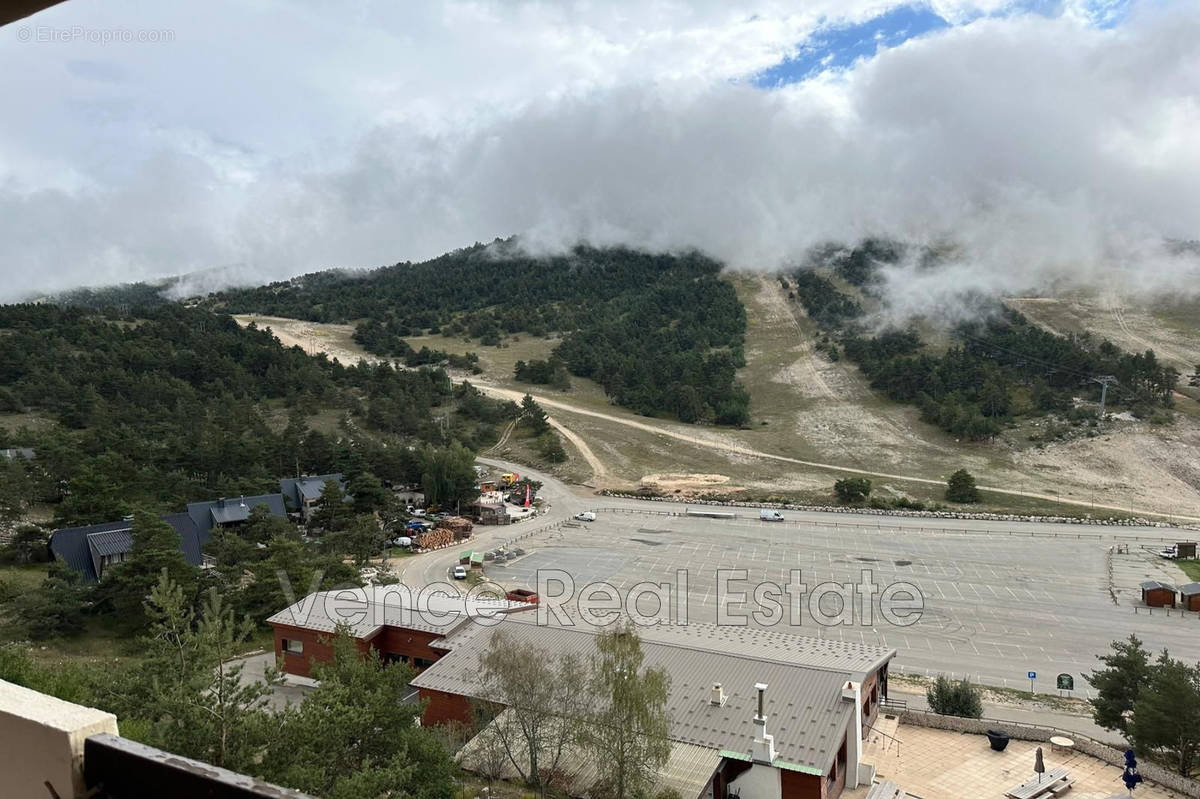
{"points": [[460, 526], [438, 537]]}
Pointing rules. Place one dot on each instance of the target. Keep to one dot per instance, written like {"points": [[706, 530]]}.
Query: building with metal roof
{"points": [[726, 683], [12, 453], [1190, 596], [821, 693], [303, 494], [402, 625], [93, 549], [1158, 594], [686, 772], [230, 512]]}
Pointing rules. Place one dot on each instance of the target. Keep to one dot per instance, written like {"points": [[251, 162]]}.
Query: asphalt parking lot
{"points": [[997, 604]]}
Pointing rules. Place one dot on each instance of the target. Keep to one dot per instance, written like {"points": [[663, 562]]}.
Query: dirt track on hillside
{"points": [[737, 449], [1150, 468]]}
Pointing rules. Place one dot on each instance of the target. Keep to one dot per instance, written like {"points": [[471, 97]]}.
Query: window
{"points": [[293, 647]]}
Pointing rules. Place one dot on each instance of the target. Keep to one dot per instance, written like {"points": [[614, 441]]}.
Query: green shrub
{"points": [[955, 698], [961, 487], [852, 489]]}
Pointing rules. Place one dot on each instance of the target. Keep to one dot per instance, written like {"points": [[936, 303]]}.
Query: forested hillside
{"points": [[999, 368], [661, 333], [171, 404]]}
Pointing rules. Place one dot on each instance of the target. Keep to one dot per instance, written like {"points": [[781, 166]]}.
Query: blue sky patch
{"points": [[839, 47]]}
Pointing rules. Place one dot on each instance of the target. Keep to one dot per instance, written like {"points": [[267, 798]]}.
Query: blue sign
{"points": [[1033, 675]]}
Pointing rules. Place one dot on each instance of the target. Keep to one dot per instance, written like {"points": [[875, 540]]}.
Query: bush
{"points": [[852, 489], [950, 698], [961, 487], [551, 447]]}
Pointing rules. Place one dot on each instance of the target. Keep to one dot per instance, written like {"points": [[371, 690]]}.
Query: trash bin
{"points": [[998, 739]]}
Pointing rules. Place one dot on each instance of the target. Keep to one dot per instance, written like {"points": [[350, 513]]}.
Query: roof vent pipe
{"points": [[718, 695]]}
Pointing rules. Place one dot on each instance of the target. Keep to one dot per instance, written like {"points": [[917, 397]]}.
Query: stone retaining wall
{"points": [[1152, 772], [925, 514]]}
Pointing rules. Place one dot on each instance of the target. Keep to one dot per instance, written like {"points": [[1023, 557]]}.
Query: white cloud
{"points": [[277, 143]]}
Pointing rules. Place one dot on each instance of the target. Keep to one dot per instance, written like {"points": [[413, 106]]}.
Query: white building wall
{"points": [[759, 782], [43, 742]]}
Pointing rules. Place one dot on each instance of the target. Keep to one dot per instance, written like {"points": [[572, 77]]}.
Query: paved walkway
{"points": [[290, 692]]}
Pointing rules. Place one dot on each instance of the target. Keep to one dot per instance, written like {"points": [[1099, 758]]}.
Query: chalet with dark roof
{"points": [[94, 549]]}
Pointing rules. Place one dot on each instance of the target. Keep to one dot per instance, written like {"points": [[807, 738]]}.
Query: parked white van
{"points": [[765, 515]]}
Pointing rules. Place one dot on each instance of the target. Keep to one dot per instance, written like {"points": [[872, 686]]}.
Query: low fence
{"points": [[1032, 732]]}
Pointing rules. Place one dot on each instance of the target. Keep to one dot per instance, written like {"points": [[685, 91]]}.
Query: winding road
{"points": [[738, 449], [730, 448]]}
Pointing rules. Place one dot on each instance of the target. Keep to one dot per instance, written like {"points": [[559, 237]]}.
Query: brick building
{"points": [[755, 713], [401, 626]]}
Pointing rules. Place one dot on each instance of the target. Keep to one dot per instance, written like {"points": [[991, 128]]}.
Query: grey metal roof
{"points": [[1190, 589], [72, 545], [1150, 585], [365, 611], [817, 653], [205, 515], [688, 768], [806, 712], [112, 542], [307, 487], [104, 544]]}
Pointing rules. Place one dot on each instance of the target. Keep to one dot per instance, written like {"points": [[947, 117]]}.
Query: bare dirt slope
{"points": [[817, 407], [336, 341], [1170, 328], [818, 420]]}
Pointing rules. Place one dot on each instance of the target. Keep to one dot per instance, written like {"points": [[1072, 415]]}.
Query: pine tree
{"points": [[56, 607], [202, 706], [1166, 715], [1127, 669], [155, 549], [533, 415], [961, 487]]}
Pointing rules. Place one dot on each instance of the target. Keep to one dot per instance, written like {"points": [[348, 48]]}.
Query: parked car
{"points": [[460, 572], [766, 515], [586, 516]]}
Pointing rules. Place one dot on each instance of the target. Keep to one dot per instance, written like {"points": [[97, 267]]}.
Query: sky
{"points": [[1045, 143]]}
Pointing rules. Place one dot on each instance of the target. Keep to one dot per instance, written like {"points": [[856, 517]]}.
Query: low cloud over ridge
{"points": [[1050, 152]]}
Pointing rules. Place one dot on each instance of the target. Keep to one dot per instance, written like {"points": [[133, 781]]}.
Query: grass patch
{"points": [[23, 578], [31, 420], [1191, 568], [497, 363]]}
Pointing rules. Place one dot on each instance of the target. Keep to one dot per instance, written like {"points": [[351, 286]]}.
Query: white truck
{"points": [[766, 515]]}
